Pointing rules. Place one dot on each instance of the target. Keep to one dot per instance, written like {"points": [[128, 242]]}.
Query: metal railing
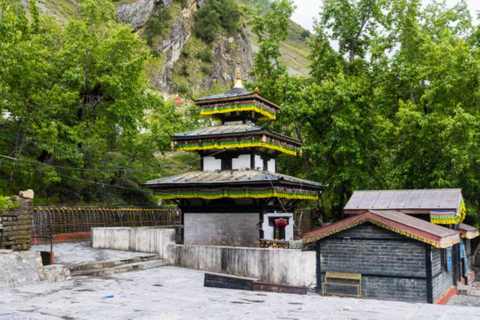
{"points": [[49, 220]]}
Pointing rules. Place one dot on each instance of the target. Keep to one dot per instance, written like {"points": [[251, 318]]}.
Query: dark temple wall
{"points": [[232, 229], [393, 267], [442, 279], [16, 226]]}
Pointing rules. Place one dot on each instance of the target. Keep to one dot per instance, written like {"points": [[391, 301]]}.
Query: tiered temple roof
{"points": [[238, 156]]}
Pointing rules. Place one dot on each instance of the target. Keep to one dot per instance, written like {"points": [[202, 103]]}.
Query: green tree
{"points": [[75, 104]]}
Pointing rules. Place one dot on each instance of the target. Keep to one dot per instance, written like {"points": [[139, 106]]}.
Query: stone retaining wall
{"points": [[17, 268], [291, 267], [16, 226], [146, 239]]}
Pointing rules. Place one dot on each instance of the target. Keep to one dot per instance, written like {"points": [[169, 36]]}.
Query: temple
{"points": [[238, 197]]}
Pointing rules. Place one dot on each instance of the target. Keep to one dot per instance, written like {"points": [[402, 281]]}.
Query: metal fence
{"points": [[48, 220]]}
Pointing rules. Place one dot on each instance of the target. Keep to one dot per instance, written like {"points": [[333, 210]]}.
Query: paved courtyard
{"points": [[177, 293]]}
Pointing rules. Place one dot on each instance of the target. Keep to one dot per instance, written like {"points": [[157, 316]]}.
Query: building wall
{"points": [[239, 229], [211, 164], [242, 162], [468, 251], [258, 163], [393, 267], [268, 230], [442, 279], [271, 166]]}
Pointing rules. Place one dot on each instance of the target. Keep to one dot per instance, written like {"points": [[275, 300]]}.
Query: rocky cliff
{"points": [[189, 66]]}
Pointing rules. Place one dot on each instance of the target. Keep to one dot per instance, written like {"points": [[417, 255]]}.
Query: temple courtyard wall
{"points": [[277, 266]]}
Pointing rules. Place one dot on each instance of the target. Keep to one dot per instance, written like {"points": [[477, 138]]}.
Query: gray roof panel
{"points": [[234, 176], [235, 92], [221, 129], [423, 199]]}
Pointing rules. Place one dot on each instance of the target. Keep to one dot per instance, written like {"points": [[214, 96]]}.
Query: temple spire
{"points": [[238, 79]]}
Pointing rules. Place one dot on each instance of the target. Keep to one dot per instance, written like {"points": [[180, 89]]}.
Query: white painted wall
{"points": [[212, 164], [242, 162], [271, 166], [258, 163], [143, 239], [268, 230], [278, 266]]}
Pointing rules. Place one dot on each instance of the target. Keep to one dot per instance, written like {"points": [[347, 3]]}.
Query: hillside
{"points": [[187, 64]]}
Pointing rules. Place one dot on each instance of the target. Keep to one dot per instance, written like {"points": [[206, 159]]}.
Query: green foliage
{"points": [[305, 34], [215, 16], [183, 3], [205, 55], [77, 107], [206, 70], [7, 203], [395, 105], [158, 24]]}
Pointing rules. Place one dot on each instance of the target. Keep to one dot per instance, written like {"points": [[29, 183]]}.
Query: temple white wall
{"points": [[268, 230], [258, 163], [212, 164], [242, 162], [271, 166]]}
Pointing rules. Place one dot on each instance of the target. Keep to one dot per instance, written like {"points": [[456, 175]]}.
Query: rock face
{"points": [[137, 13], [228, 53], [180, 31]]}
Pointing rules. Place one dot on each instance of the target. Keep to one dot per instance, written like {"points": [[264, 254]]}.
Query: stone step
{"points": [[97, 265], [463, 289], [135, 266]]}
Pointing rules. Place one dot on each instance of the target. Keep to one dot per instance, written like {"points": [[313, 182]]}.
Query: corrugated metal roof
{"points": [[235, 92], [234, 176], [395, 221], [468, 231], [221, 129], [233, 129], [415, 223], [425, 199]]}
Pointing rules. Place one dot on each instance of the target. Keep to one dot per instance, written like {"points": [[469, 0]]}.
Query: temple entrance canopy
{"points": [[238, 184]]}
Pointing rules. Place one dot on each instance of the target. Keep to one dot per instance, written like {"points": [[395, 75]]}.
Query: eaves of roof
{"points": [[411, 227]]}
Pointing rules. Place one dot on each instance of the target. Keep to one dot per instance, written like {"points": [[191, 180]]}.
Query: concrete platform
{"points": [[174, 293], [70, 253]]}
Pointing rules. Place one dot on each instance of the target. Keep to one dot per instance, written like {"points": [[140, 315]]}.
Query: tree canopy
{"points": [[392, 100], [76, 112]]}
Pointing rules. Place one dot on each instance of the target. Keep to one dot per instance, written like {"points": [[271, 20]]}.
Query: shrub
{"points": [[206, 70], [184, 70], [216, 15], [205, 55], [158, 23], [183, 89]]}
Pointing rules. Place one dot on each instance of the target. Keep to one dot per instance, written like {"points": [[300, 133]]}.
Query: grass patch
{"points": [[64, 9]]}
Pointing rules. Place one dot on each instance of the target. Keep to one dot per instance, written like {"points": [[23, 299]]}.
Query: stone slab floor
{"points": [[177, 293]]}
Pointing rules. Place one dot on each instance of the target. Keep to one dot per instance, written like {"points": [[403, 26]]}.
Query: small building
{"points": [[390, 243], [238, 197]]}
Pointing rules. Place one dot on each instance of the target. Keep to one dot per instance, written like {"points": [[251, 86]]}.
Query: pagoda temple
{"points": [[238, 197]]}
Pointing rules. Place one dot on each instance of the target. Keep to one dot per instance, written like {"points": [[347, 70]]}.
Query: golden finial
{"points": [[257, 91], [238, 79]]}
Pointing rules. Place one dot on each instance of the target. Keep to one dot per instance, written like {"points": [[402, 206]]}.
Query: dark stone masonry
{"points": [[16, 226], [392, 265]]}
